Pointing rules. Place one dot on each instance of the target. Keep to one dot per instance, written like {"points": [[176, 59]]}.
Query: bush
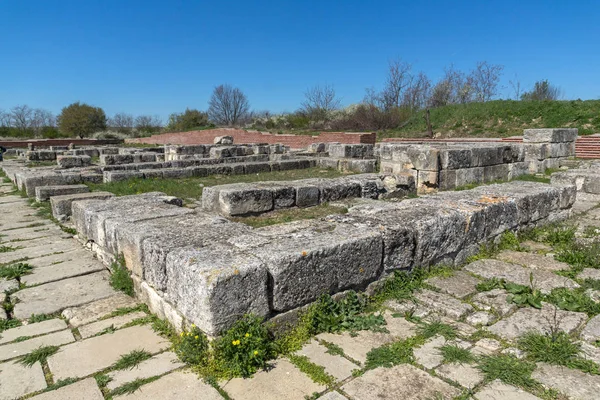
{"points": [[192, 347], [187, 120], [245, 348], [81, 120]]}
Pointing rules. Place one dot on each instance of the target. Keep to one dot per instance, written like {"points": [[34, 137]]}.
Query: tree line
{"points": [[403, 93]]}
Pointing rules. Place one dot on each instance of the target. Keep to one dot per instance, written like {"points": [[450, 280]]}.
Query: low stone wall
{"points": [[256, 198], [586, 180], [193, 266]]}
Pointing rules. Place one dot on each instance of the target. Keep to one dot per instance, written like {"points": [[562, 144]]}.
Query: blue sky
{"points": [[158, 57]]}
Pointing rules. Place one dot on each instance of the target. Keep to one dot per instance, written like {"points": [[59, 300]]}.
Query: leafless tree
{"points": [[399, 78], [21, 117], [453, 88], [148, 123], [122, 122], [42, 118], [228, 105], [543, 90], [516, 87], [484, 80], [417, 93], [5, 119], [319, 102]]}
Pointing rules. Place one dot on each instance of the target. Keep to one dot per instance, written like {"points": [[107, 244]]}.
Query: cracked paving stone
{"points": [[533, 261], [496, 300], [460, 284], [85, 389], [38, 328], [17, 380], [443, 303], [591, 332], [501, 391], [157, 365], [572, 382], [465, 375], [117, 322], [335, 365], [95, 310]]}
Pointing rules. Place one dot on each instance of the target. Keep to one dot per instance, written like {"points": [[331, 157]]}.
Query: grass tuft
{"points": [[40, 354], [455, 354], [433, 328], [400, 352], [508, 369], [15, 271], [315, 372], [120, 279], [132, 359]]}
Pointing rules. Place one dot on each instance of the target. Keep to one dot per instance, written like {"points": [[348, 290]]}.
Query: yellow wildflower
{"points": [[247, 335], [193, 326], [196, 337], [182, 334], [255, 352]]}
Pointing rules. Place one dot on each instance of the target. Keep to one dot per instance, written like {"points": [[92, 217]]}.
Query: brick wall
{"points": [[243, 136], [57, 142]]}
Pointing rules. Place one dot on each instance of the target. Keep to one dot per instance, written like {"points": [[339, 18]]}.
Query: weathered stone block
{"points": [[241, 199], [360, 166], [61, 205], [256, 168], [215, 286], [116, 176], [308, 258], [73, 161], [326, 162], [550, 135], [467, 176], [43, 193], [493, 173], [455, 158]]}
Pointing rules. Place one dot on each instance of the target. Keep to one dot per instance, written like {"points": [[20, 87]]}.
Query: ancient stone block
{"points": [[61, 205], [43, 193], [550, 135], [256, 167], [455, 158]]}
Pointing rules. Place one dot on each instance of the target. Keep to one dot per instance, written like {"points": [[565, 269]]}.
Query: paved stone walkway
{"points": [[71, 290]]}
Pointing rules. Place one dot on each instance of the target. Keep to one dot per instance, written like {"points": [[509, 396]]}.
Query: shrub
{"points": [[245, 348], [80, 119], [192, 347]]}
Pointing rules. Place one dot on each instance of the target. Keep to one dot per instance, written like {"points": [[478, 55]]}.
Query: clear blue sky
{"points": [[159, 57]]}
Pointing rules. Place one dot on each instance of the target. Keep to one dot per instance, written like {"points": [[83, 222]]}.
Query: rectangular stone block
{"points": [[550, 135], [455, 158], [43, 193], [73, 161], [116, 176], [306, 259], [215, 286], [467, 176], [326, 162], [359, 166], [493, 173], [61, 205], [256, 168]]}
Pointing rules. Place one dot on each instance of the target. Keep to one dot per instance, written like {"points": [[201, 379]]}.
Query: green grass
{"points": [[558, 349], [508, 369], [40, 317], [400, 352], [120, 278], [315, 372], [60, 383], [433, 328], [187, 188], [9, 323], [131, 387], [40, 354], [131, 360], [7, 249], [291, 214], [455, 354], [15, 271], [501, 118]]}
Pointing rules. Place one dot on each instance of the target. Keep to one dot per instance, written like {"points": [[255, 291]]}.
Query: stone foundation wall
{"points": [[194, 266]]}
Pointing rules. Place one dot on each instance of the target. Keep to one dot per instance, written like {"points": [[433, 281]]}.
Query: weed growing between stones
{"points": [[345, 315], [192, 347], [509, 369], [131, 387], [433, 328], [41, 317], [15, 271], [131, 359], [400, 352], [7, 249], [573, 300], [44, 210], [40, 354], [9, 323], [456, 354], [558, 349], [120, 279], [315, 372]]}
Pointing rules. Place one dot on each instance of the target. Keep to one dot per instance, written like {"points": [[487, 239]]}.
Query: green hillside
{"points": [[502, 118]]}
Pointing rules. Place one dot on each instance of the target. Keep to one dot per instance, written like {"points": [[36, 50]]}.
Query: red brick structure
{"points": [[11, 144], [243, 136]]}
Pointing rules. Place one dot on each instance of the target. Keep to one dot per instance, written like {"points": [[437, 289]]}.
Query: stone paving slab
{"points": [[545, 281], [157, 365], [494, 299], [63, 270], [94, 328], [8, 285], [56, 296], [92, 355], [404, 382], [30, 233], [590, 273], [38, 251], [572, 382], [529, 319], [356, 347], [337, 366], [591, 332], [18, 349], [291, 384], [443, 303], [86, 389], [175, 386], [38, 328], [17, 380], [501, 391], [333, 396], [95, 310], [78, 254], [533, 261], [460, 284], [429, 354], [465, 375]]}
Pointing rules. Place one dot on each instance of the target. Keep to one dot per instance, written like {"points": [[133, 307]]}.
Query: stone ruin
{"points": [[197, 266]]}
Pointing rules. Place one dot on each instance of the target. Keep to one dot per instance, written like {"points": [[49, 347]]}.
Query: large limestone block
{"points": [[61, 205], [493, 173], [215, 286], [308, 258], [73, 161], [117, 176], [466, 176], [43, 193], [455, 158], [550, 135]]}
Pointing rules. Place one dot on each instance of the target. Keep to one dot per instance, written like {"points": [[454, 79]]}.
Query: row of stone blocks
{"points": [[52, 154], [255, 198], [218, 169], [193, 266], [585, 180], [184, 163], [220, 151]]}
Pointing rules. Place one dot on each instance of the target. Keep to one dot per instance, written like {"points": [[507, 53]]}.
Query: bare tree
{"points": [[453, 88], [516, 87], [319, 102], [5, 119], [484, 80], [21, 117], [122, 122], [399, 78], [148, 123], [228, 105], [41, 119], [417, 93]]}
